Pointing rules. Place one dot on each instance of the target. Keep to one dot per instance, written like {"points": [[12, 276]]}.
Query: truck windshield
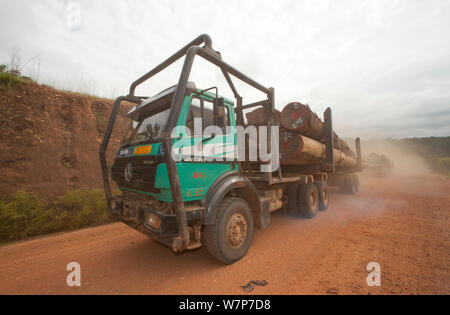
{"points": [[146, 130]]}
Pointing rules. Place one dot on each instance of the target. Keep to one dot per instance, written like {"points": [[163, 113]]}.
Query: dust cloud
{"points": [[406, 163]]}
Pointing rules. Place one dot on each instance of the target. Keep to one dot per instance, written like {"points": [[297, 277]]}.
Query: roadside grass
{"points": [[28, 214], [8, 80], [92, 96], [11, 79], [442, 166]]}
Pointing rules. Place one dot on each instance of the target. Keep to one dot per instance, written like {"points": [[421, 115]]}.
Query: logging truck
{"points": [[218, 200], [378, 165]]}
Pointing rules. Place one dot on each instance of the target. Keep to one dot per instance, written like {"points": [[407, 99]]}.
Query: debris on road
{"points": [[249, 287]]}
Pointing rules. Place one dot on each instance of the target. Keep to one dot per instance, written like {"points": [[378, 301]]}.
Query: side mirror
{"points": [[219, 112]]}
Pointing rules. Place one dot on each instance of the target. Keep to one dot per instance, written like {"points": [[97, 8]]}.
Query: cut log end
{"points": [[295, 116], [291, 144]]}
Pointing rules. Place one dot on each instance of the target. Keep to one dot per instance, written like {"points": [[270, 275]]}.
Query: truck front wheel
{"points": [[229, 239]]}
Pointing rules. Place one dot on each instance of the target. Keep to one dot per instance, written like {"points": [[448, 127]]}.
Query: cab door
{"points": [[208, 150]]}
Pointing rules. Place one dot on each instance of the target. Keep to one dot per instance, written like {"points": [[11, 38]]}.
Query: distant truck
{"points": [[215, 204], [378, 165]]}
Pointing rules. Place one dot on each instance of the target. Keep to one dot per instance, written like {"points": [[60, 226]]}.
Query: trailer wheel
{"points": [[348, 184], [308, 200], [229, 239], [324, 196], [292, 204], [356, 182]]}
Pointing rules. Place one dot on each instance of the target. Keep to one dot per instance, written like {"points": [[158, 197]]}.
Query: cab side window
{"points": [[208, 114], [195, 111], [203, 109]]}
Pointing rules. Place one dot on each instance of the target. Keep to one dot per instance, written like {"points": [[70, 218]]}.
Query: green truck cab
{"points": [[139, 166], [141, 173], [186, 204]]}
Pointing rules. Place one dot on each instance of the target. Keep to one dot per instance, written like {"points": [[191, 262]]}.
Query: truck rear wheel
{"points": [[308, 200], [324, 197], [229, 239], [356, 182], [348, 186]]}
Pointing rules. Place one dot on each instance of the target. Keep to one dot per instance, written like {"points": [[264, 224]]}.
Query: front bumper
{"points": [[160, 225]]}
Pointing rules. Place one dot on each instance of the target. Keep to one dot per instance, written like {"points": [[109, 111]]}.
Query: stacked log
{"points": [[302, 137], [298, 117], [296, 149], [258, 117]]}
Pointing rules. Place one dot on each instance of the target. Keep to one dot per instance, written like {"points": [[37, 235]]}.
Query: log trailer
{"points": [[216, 204]]}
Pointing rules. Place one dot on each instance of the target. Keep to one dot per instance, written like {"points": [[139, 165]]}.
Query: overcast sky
{"points": [[383, 66]]}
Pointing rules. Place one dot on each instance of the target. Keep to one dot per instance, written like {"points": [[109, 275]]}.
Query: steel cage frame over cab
{"points": [[190, 51]]}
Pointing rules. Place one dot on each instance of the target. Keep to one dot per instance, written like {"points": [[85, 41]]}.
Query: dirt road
{"points": [[402, 223]]}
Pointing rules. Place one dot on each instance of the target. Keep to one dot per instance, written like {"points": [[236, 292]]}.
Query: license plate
{"points": [[143, 150]]}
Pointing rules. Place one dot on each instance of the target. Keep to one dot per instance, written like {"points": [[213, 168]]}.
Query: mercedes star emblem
{"points": [[128, 172]]}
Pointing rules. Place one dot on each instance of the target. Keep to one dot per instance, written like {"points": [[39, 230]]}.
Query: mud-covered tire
{"points": [[308, 200], [225, 239], [324, 196], [348, 185], [356, 182], [292, 204]]}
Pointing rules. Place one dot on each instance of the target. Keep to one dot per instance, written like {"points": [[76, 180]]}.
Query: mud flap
{"points": [[264, 215]]}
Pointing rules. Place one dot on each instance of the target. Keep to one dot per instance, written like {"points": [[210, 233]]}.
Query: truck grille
{"points": [[143, 172]]}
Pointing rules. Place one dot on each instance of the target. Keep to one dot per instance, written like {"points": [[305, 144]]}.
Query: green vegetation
{"points": [[434, 150], [90, 95], [8, 80], [28, 214], [427, 147], [442, 166], [11, 78]]}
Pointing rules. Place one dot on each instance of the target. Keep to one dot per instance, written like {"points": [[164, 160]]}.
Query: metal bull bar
{"points": [[190, 50]]}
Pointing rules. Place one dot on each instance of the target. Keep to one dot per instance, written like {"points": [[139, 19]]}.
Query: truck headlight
{"points": [[154, 221], [116, 204]]}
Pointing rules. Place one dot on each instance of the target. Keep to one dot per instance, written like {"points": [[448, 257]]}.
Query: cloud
{"points": [[383, 66]]}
